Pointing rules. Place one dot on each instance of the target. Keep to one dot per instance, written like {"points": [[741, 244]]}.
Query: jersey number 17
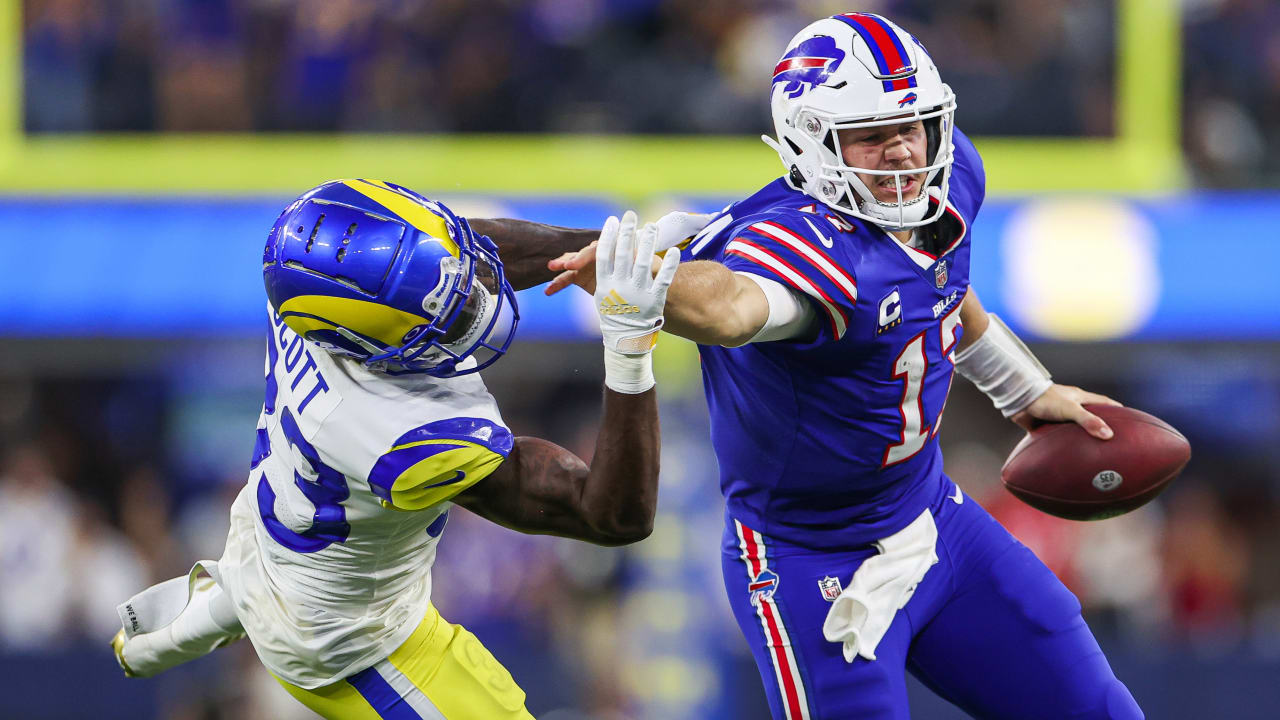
{"points": [[912, 365]]}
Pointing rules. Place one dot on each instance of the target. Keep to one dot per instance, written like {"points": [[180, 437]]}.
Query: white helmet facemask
{"points": [[853, 72]]}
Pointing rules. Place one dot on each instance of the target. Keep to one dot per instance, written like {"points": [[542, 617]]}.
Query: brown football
{"points": [[1060, 469]]}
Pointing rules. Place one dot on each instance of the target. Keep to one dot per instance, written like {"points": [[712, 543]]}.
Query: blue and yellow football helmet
{"points": [[377, 272]]}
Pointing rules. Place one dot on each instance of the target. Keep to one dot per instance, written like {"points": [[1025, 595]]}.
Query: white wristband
{"points": [[1003, 368], [628, 374]]}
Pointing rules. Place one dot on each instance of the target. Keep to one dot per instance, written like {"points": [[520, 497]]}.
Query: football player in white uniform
{"points": [[383, 305]]}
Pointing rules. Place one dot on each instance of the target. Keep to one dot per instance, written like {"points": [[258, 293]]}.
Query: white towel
{"points": [[862, 613]]}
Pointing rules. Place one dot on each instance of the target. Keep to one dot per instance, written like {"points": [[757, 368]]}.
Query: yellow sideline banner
{"points": [[1143, 157]]}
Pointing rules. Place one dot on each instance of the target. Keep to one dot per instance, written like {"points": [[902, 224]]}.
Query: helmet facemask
{"points": [[474, 316], [837, 183], [482, 326]]}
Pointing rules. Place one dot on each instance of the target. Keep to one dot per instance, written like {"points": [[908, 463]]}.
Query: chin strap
{"points": [[368, 346], [911, 210]]}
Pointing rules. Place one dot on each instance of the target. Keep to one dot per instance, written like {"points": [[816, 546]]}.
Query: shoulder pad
{"points": [[434, 462]]}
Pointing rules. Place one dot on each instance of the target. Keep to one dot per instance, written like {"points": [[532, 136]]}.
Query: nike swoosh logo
{"points": [[959, 498], [457, 476], [821, 238]]}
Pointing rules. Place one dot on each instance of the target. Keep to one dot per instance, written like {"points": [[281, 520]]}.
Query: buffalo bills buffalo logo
{"points": [[908, 99], [808, 65], [762, 586]]}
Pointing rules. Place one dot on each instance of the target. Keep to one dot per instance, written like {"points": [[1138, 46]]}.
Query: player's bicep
{"points": [[537, 490], [435, 462], [746, 312]]}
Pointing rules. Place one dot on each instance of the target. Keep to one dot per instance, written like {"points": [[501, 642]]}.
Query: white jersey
{"points": [[333, 537]]}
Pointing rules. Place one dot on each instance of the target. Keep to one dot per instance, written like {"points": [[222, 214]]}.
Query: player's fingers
{"points": [[560, 282], [1096, 399], [666, 272], [644, 255], [562, 262], [1092, 424], [575, 260], [583, 257], [604, 247], [624, 254]]}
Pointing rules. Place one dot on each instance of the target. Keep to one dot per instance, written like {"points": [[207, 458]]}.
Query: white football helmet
{"points": [[859, 70]]}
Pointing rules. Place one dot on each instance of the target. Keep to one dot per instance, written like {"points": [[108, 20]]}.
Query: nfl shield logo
{"points": [[940, 274], [830, 588]]}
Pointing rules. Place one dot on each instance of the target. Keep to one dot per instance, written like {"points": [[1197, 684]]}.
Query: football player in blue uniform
{"points": [[831, 309]]}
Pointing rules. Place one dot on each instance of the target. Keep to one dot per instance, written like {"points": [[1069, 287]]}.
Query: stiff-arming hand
{"points": [[577, 268], [628, 296]]}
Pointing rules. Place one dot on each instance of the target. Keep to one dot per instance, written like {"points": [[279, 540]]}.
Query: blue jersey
{"points": [[822, 440]]}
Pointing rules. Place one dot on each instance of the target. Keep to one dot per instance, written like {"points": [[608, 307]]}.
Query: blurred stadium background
{"points": [[1133, 151]]}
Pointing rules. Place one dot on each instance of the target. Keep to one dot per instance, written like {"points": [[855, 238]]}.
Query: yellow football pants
{"points": [[441, 672]]}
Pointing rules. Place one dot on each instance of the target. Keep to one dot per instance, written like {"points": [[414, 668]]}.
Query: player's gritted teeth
{"points": [[887, 188]]}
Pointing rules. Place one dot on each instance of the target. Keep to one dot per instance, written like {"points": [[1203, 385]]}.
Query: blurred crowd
{"points": [[619, 66]]}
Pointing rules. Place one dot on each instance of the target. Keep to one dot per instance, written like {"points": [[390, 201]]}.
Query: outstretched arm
{"points": [[543, 488], [711, 305], [525, 247], [707, 302]]}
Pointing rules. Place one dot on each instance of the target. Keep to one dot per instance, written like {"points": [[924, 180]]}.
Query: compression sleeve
{"points": [[791, 315], [798, 259]]}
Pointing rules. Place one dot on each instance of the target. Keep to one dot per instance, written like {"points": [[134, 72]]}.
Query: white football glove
{"points": [[630, 299], [676, 227]]}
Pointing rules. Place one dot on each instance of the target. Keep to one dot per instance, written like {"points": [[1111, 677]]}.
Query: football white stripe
{"points": [[742, 545], [758, 539], [764, 621], [840, 277], [791, 661], [800, 281], [410, 692], [773, 655], [784, 637]]}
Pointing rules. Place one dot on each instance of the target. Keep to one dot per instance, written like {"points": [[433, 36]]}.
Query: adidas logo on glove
{"points": [[614, 304]]}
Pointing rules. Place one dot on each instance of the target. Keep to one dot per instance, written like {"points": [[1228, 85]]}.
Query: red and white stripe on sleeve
{"points": [[799, 262]]}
